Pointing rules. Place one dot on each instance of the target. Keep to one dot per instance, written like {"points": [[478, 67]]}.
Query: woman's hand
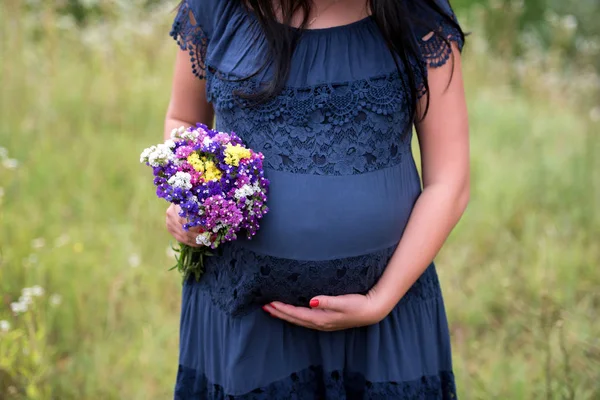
{"points": [[332, 313], [175, 227]]}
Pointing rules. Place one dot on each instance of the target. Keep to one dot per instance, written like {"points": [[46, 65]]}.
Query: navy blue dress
{"points": [[337, 151]]}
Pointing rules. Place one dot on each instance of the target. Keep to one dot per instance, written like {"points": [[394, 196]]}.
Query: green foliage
{"points": [[571, 26], [78, 217]]}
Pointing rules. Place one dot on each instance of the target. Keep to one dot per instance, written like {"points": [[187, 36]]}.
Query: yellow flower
{"points": [[211, 173], [233, 154], [208, 168], [196, 163]]}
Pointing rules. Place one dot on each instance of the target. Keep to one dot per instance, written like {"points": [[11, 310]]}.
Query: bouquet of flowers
{"points": [[218, 183]]}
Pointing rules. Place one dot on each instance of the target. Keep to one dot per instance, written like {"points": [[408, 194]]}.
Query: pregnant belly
{"points": [[324, 235], [315, 217]]}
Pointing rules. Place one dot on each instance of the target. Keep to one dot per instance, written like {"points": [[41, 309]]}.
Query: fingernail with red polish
{"points": [[272, 305], [265, 310], [314, 303]]}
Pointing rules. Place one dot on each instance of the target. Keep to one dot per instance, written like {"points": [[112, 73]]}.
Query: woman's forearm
{"points": [[436, 212]]}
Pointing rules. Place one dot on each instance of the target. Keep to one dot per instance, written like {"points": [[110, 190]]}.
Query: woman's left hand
{"points": [[331, 313]]}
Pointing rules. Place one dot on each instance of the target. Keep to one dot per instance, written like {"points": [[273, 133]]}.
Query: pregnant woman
{"points": [[337, 296]]}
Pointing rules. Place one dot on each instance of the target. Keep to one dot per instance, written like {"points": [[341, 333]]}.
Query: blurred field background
{"points": [[84, 253]]}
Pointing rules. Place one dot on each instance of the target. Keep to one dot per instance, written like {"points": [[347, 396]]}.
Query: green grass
{"points": [[519, 273]]}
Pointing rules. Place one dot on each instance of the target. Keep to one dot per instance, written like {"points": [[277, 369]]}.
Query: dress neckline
{"points": [[313, 31]]}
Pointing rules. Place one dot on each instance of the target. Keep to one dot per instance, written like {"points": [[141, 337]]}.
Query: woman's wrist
{"points": [[383, 301]]}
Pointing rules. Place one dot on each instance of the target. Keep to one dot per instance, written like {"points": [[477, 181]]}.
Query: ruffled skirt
{"points": [[232, 354]]}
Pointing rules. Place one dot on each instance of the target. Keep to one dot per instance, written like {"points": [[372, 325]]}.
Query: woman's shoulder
{"points": [[202, 15]]}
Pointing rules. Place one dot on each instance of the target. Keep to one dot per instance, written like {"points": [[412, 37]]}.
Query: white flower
{"points": [[244, 191], [26, 292], [55, 299], [157, 155], [37, 291], [4, 326], [203, 238], [134, 260], [3, 153], [61, 240], [181, 180], [38, 243], [247, 190], [26, 300], [189, 135], [570, 22], [10, 163], [18, 307], [170, 143], [145, 154], [177, 132]]}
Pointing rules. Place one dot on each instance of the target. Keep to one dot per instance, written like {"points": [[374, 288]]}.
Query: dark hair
{"points": [[394, 19]]}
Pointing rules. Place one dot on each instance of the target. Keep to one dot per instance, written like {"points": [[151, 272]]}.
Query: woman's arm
{"points": [[444, 143], [188, 105]]}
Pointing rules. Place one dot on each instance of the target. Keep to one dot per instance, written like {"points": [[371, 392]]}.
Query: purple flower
{"points": [[184, 151]]}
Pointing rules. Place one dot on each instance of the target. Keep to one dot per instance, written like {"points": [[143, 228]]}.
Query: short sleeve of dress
{"points": [[436, 28], [192, 32]]}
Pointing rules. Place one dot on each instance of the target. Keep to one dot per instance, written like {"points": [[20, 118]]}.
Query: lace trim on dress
{"points": [[191, 37], [240, 280], [327, 129], [314, 381], [436, 47]]}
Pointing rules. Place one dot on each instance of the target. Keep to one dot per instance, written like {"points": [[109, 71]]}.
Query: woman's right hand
{"points": [[175, 227]]}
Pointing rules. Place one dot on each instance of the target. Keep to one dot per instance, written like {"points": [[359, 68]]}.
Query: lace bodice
{"points": [[327, 121]]}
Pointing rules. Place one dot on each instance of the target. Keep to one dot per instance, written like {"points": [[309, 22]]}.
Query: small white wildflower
{"points": [[190, 135], [157, 155], [181, 180], [203, 238], [26, 299], [145, 154], [244, 191], [177, 132], [38, 243], [55, 300], [170, 143], [10, 163], [18, 307], [61, 240], [134, 260], [569, 22], [37, 291], [4, 326], [3, 153], [27, 292]]}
